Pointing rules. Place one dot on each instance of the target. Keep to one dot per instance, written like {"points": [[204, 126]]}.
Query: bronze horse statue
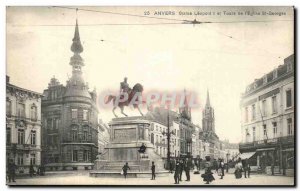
{"points": [[137, 88]]}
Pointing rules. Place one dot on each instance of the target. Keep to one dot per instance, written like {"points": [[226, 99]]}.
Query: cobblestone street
{"points": [[82, 178]]}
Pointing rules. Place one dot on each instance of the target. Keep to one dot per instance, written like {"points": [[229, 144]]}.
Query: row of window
{"points": [[86, 155], [20, 159], [162, 151], [21, 110], [84, 114], [274, 107], [21, 137], [85, 136], [53, 123], [160, 139], [290, 131]]}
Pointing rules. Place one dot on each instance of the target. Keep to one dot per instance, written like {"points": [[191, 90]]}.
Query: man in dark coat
{"points": [[125, 169], [245, 167], [177, 172], [11, 171], [181, 166], [31, 170], [187, 170], [249, 169], [153, 171]]}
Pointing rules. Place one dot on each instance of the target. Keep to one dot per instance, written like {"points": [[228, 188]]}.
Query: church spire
{"points": [[76, 45], [76, 85], [207, 100], [185, 100]]}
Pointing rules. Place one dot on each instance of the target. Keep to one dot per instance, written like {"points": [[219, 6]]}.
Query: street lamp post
{"points": [[168, 134]]}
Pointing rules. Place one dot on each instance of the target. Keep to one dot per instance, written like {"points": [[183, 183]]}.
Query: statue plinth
{"points": [[126, 137]]}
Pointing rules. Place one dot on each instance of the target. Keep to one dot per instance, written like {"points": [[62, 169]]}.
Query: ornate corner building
{"points": [[23, 127], [70, 119]]}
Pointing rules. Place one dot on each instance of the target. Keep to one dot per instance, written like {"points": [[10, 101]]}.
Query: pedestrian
{"points": [[208, 175], [171, 167], [153, 171], [221, 168], [238, 169], [249, 169], [181, 165], [245, 167], [177, 172], [187, 170], [125, 169], [11, 171], [31, 170]]}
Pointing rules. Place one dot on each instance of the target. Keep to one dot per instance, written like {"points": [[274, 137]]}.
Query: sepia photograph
{"points": [[150, 96]]}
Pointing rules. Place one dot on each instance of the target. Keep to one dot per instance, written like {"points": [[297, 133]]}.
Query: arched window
{"points": [[33, 112]]}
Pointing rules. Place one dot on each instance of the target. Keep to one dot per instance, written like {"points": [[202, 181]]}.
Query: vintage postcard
{"points": [[150, 96]]}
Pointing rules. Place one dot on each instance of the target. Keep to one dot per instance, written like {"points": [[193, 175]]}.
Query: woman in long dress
{"points": [[208, 175], [238, 169]]}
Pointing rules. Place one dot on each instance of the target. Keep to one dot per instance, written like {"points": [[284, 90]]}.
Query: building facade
{"points": [[186, 127], [70, 119], [268, 120], [23, 127]]}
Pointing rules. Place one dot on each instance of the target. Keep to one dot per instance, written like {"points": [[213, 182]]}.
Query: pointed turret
{"points": [[207, 100], [76, 45], [76, 85]]}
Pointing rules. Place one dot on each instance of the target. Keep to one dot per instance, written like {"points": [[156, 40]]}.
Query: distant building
{"points": [[23, 127], [231, 150], [70, 119], [159, 139], [186, 128], [268, 120]]}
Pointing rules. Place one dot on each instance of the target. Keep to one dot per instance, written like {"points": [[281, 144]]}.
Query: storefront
{"points": [[270, 156]]}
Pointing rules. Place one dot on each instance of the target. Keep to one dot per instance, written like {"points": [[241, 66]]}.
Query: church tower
{"points": [[208, 118], [185, 110]]}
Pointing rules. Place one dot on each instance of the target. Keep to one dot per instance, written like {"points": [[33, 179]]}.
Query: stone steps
{"points": [[119, 167]]}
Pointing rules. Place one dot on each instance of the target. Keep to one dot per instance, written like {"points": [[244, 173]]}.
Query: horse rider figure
{"points": [[124, 87]]}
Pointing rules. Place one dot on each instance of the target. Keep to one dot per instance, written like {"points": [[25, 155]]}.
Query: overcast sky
{"points": [[221, 57]]}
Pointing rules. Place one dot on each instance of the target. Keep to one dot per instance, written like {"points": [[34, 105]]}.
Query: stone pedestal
{"points": [[126, 137]]}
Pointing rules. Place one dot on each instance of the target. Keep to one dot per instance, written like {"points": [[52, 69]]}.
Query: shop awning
{"points": [[265, 149], [246, 155]]}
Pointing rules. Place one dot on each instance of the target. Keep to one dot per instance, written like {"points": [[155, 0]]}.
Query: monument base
{"points": [[127, 135]]}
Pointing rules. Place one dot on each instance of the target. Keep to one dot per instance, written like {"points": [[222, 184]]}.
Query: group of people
{"points": [[180, 166], [12, 168], [240, 167]]}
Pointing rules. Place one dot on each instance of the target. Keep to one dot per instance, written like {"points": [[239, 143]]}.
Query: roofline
{"points": [[23, 89]]}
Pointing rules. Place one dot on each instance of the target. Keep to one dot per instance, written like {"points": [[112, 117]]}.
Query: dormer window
{"points": [[265, 79], [289, 67], [255, 85], [275, 74]]}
